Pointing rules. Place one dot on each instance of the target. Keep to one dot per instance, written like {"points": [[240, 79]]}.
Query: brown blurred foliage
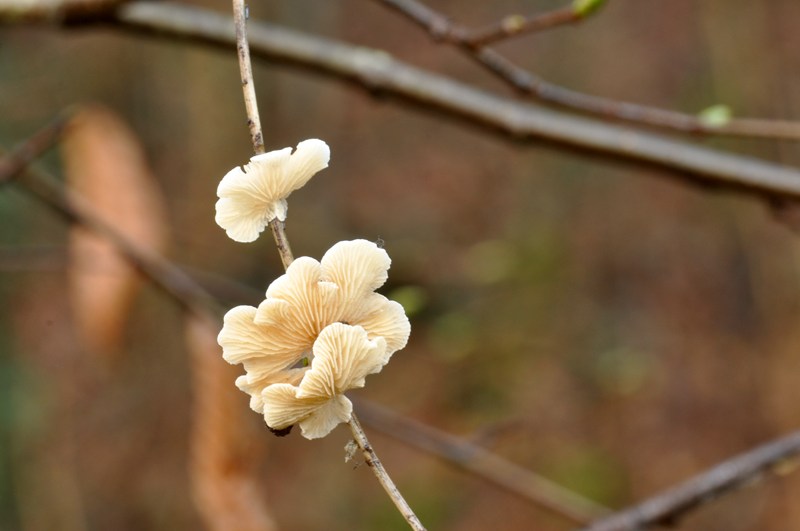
{"points": [[225, 486], [603, 325], [106, 165]]}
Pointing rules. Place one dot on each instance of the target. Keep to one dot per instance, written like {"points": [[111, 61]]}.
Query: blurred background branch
{"points": [[473, 43], [476, 460], [380, 73], [775, 457]]}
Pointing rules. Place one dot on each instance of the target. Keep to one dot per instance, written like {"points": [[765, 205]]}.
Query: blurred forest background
{"points": [[604, 325]]}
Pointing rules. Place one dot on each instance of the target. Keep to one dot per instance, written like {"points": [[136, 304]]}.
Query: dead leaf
{"points": [[224, 462], [105, 163]]}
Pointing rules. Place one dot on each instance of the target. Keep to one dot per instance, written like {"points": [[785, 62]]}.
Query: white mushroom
{"points": [[252, 195], [343, 357], [272, 340]]}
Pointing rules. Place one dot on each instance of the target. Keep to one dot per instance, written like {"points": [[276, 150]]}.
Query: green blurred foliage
{"points": [[716, 116]]}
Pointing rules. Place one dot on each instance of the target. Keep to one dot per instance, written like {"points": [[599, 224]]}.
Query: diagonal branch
{"points": [[474, 459], [517, 25], [442, 28], [668, 507], [165, 275], [16, 162], [472, 43], [379, 72]]}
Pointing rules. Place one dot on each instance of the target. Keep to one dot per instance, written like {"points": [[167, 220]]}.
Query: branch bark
{"points": [[516, 25], [442, 29], [165, 275], [246, 72], [483, 463], [381, 74], [667, 508]]}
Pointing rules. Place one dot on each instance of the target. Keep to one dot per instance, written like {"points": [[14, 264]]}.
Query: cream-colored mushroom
{"points": [[252, 195], [272, 340], [343, 357]]}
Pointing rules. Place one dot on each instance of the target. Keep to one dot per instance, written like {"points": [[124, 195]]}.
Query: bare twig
{"points": [[388, 485], [381, 73], [516, 25], [472, 42], [246, 71], [671, 505], [282, 244], [17, 161], [278, 229], [529, 83], [57, 11], [162, 273], [481, 462], [240, 12]]}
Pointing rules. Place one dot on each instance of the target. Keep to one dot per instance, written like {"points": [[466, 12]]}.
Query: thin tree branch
{"points": [[282, 244], [16, 162], [386, 482], [668, 507], [57, 11], [481, 462], [516, 25], [240, 15], [442, 29], [380, 73], [246, 70], [84, 12], [278, 229], [15, 167]]}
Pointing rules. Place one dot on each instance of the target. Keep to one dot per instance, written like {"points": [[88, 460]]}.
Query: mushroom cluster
{"points": [[321, 328], [320, 331]]}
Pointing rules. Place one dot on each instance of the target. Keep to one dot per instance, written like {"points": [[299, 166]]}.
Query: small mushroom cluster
{"points": [[321, 328]]}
